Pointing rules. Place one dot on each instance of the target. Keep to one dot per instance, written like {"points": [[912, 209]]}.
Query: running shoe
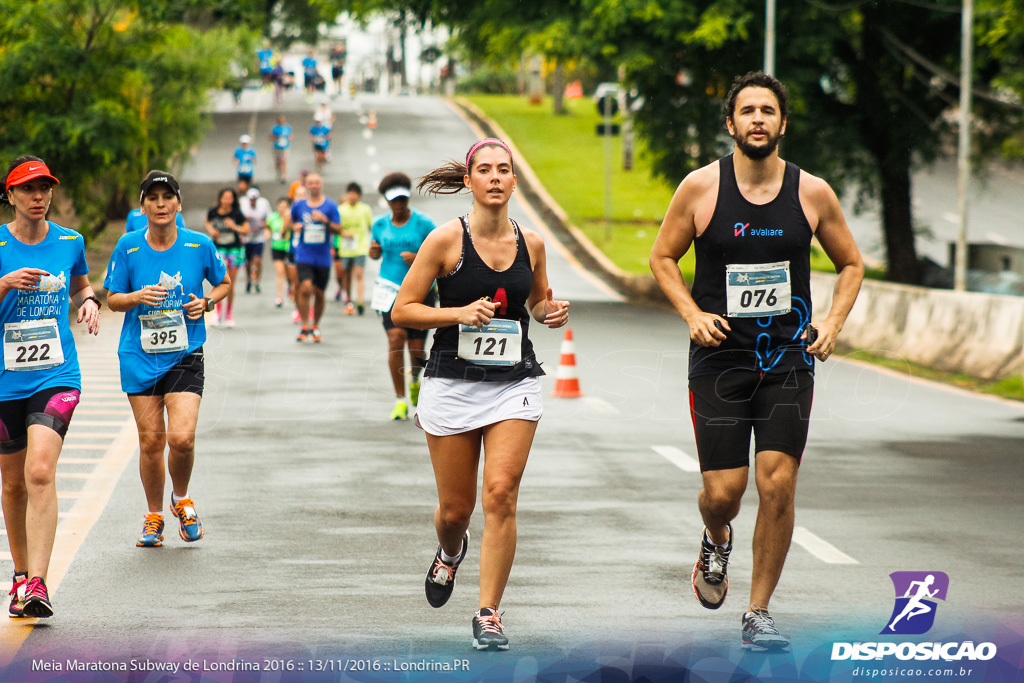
{"points": [[152, 531], [337, 295], [400, 411], [414, 393], [191, 528], [213, 318], [229, 321], [316, 335], [248, 287], [488, 631], [350, 309], [360, 308], [37, 600], [710, 580], [17, 608], [441, 577], [259, 290], [278, 302], [760, 634], [303, 335], [296, 318]]}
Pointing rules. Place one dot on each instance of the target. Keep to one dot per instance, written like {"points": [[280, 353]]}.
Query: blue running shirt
{"points": [[137, 221], [321, 136], [282, 136], [246, 159], [394, 241], [315, 239], [62, 255], [181, 269]]}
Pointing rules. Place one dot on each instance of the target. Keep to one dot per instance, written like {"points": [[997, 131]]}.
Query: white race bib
{"points": [[755, 290], [314, 233], [499, 342], [349, 243], [163, 332], [384, 293], [32, 345]]}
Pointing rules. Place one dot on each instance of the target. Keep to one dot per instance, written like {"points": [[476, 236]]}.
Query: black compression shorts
{"points": [[726, 407]]}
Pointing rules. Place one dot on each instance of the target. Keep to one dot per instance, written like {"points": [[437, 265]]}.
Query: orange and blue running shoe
{"points": [[37, 600], [17, 608], [191, 528], [152, 531]]}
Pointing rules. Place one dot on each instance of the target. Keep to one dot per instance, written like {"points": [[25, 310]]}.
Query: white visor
{"points": [[395, 192]]}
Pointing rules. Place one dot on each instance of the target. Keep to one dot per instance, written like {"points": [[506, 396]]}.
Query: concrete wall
{"points": [[980, 334]]}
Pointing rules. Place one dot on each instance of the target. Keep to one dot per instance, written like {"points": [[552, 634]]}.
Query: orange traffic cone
{"points": [[371, 120], [567, 384]]}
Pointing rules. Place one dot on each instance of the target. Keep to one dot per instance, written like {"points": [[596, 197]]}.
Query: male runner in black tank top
{"points": [[750, 217]]}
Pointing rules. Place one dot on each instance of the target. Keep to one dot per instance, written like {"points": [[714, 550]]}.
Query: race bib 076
{"points": [[755, 290]]}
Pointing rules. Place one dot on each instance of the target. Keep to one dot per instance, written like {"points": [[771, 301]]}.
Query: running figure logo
{"points": [[916, 592]]}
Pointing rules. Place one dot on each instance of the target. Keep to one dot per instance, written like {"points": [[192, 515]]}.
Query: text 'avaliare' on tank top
{"points": [[509, 289], [753, 268]]}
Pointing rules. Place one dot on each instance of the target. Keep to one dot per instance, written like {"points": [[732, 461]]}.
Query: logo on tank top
{"points": [[740, 230]]}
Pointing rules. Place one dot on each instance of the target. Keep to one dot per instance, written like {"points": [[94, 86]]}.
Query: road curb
{"points": [[634, 287]]}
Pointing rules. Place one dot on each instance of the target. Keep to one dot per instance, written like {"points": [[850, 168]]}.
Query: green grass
{"points": [[569, 158], [1011, 387]]}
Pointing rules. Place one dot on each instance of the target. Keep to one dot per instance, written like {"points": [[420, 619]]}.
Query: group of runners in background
{"points": [[477, 280]]}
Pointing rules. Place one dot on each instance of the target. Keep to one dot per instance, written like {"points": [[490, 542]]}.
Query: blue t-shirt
{"points": [[62, 255], [314, 245], [138, 221], [181, 270], [321, 136], [309, 66], [246, 159], [393, 241], [282, 136], [266, 58]]}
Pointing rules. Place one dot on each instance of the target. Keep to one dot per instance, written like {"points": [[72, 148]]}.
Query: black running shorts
{"points": [[320, 276], [411, 332], [725, 408], [51, 408], [188, 375]]}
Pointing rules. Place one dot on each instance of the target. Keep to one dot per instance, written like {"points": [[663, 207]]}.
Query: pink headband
{"points": [[487, 141]]}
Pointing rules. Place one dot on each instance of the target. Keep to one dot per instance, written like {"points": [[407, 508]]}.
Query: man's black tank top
{"points": [[471, 281], [741, 233]]}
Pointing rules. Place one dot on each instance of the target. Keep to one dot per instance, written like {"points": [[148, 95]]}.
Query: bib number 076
{"points": [[757, 297]]}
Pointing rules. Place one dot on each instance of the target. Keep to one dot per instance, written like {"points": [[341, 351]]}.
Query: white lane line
{"points": [[684, 461], [600, 405], [367, 133], [823, 550], [371, 151]]}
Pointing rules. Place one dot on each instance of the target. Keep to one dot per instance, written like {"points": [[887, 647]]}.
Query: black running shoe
{"points": [[441, 577], [760, 634], [37, 600], [17, 608], [710, 580], [488, 631]]}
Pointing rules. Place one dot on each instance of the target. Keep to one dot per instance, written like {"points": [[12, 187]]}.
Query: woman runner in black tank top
{"points": [[481, 386]]}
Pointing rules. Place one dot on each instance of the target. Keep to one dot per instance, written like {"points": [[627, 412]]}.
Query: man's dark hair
{"points": [[757, 79], [397, 179], [354, 187]]}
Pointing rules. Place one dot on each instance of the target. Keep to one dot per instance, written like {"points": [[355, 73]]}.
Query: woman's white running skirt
{"points": [[453, 406]]}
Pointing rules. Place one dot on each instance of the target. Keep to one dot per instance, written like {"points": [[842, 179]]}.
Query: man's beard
{"points": [[757, 152]]}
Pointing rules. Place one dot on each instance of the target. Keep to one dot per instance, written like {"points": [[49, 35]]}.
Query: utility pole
{"points": [[769, 37], [963, 176]]}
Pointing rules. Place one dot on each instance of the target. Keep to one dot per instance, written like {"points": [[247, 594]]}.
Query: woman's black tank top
{"points": [[744, 234], [509, 289]]}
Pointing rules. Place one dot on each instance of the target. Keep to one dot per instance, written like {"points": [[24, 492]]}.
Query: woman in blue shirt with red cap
{"points": [[42, 269]]}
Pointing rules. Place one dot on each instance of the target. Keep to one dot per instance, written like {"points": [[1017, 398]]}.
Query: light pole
{"points": [[769, 37], [963, 176]]}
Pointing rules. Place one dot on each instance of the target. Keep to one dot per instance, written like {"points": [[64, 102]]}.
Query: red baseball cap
{"points": [[30, 170]]}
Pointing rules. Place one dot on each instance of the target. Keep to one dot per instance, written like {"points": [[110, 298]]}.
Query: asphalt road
{"points": [[318, 510]]}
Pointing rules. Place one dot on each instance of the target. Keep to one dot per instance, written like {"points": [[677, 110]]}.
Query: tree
{"points": [[103, 94]]}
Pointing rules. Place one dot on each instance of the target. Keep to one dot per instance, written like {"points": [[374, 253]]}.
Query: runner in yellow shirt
{"points": [[352, 246]]}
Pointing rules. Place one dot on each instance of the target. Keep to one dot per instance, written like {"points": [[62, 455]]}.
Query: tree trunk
{"points": [[558, 87], [897, 223]]}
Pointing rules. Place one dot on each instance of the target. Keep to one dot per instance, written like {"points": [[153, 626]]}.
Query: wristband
{"points": [[94, 300]]}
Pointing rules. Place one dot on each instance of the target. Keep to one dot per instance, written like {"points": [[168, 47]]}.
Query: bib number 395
{"points": [[163, 332]]}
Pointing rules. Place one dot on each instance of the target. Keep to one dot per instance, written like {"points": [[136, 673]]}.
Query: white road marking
{"points": [[600, 405], [371, 151], [367, 133], [684, 461], [823, 550]]}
